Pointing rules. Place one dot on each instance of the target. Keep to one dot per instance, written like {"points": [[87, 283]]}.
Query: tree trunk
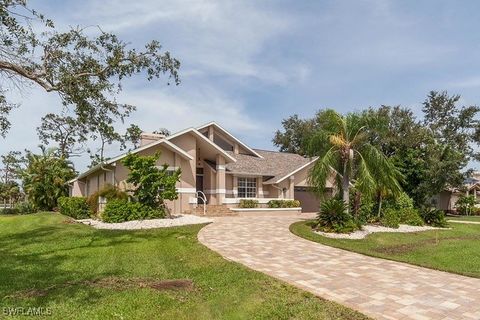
{"points": [[346, 188], [379, 204]]}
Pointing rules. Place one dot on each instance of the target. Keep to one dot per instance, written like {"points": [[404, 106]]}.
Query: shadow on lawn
{"points": [[42, 257]]}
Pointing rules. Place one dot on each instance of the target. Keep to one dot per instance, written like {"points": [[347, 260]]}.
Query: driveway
{"points": [[376, 287]]}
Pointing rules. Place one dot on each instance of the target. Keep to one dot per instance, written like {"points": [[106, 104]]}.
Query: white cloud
{"points": [[165, 108], [210, 37]]}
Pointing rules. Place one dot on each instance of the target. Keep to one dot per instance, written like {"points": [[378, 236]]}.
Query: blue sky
{"points": [[249, 64]]}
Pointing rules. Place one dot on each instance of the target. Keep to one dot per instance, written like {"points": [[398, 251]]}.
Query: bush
{"points": [[434, 217], [109, 192], [9, 211], [390, 218], [119, 210], [410, 216], [248, 203], [366, 211], [403, 201], [283, 203], [465, 204], [75, 207], [475, 211], [25, 207], [333, 217]]}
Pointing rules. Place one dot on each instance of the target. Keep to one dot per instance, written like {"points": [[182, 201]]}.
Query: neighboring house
{"points": [[216, 163], [447, 199]]}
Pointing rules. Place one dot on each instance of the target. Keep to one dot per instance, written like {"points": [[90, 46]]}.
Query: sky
{"points": [[250, 64]]}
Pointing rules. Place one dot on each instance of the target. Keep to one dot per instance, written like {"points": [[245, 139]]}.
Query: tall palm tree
{"points": [[344, 153]]}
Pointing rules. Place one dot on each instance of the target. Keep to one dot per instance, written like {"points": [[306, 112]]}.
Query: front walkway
{"points": [[379, 288]]}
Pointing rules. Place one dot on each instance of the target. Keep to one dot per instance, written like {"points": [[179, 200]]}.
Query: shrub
{"points": [[248, 203], [118, 210], [390, 218], [366, 211], [109, 192], [465, 204], [25, 207], [283, 203], [410, 216], [434, 217], [403, 201], [333, 217], [475, 211], [75, 207], [9, 211]]}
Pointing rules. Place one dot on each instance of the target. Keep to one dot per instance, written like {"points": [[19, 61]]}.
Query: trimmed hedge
{"points": [[119, 210], [248, 203], [75, 207], [283, 204]]}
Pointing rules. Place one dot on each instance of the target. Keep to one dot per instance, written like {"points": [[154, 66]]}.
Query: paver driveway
{"points": [[379, 288]]}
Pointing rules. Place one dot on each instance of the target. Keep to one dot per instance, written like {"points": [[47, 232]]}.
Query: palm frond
{"points": [[322, 170], [365, 181], [386, 174]]}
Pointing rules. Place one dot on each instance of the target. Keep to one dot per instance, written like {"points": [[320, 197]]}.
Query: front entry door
{"points": [[199, 186]]}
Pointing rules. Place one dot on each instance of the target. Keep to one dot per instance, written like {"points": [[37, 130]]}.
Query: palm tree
{"points": [[346, 156], [45, 178]]}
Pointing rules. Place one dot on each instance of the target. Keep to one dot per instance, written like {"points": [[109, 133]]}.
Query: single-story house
{"points": [[213, 163], [447, 199]]}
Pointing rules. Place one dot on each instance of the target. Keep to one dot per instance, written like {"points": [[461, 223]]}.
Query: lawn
{"points": [[78, 272], [465, 218], [455, 250]]}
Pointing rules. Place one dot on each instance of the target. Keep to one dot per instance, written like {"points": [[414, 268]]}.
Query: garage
{"points": [[308, 199]]}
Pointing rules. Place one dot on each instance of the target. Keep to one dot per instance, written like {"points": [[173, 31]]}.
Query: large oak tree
{"points": [[84, 67]]}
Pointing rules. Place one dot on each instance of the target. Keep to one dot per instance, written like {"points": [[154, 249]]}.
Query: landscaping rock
{"points": [[180, 220]]}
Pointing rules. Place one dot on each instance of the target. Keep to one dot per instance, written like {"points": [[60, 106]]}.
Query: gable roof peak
{"points": [[226, 132]]}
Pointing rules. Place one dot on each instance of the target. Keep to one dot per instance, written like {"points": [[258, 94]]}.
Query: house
{"points": [[214, 164], [447, 199]]}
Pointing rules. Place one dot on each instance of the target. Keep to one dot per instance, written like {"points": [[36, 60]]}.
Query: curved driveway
{"points": [[376, 287]]}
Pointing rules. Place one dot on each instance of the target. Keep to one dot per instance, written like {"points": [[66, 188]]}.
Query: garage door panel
{"points": [[308, 199]]}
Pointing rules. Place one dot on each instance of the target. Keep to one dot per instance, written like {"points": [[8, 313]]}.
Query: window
{"points": [[247, 187], [222, 143]]}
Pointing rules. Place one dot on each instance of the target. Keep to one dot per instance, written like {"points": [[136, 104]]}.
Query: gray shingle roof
{"points": [[275, 164]]}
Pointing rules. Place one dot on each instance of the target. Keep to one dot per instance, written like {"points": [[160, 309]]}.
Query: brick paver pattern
{"points": [[379, 288]]}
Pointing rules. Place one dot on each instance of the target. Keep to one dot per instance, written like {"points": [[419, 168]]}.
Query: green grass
{"points": [[60, 260], [465, 218], [455, 250]]}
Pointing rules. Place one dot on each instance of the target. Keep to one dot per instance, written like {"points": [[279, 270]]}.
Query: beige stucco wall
{"points": [[446, 200], [77, 189], [188, 143], [119, 174]]}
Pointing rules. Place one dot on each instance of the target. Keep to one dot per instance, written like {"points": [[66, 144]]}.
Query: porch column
{"points": [[235, 186], [291, 185], [220, 189], [260, 188]]}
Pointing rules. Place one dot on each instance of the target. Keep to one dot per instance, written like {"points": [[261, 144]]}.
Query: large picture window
{"points": [[247, 187]]}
